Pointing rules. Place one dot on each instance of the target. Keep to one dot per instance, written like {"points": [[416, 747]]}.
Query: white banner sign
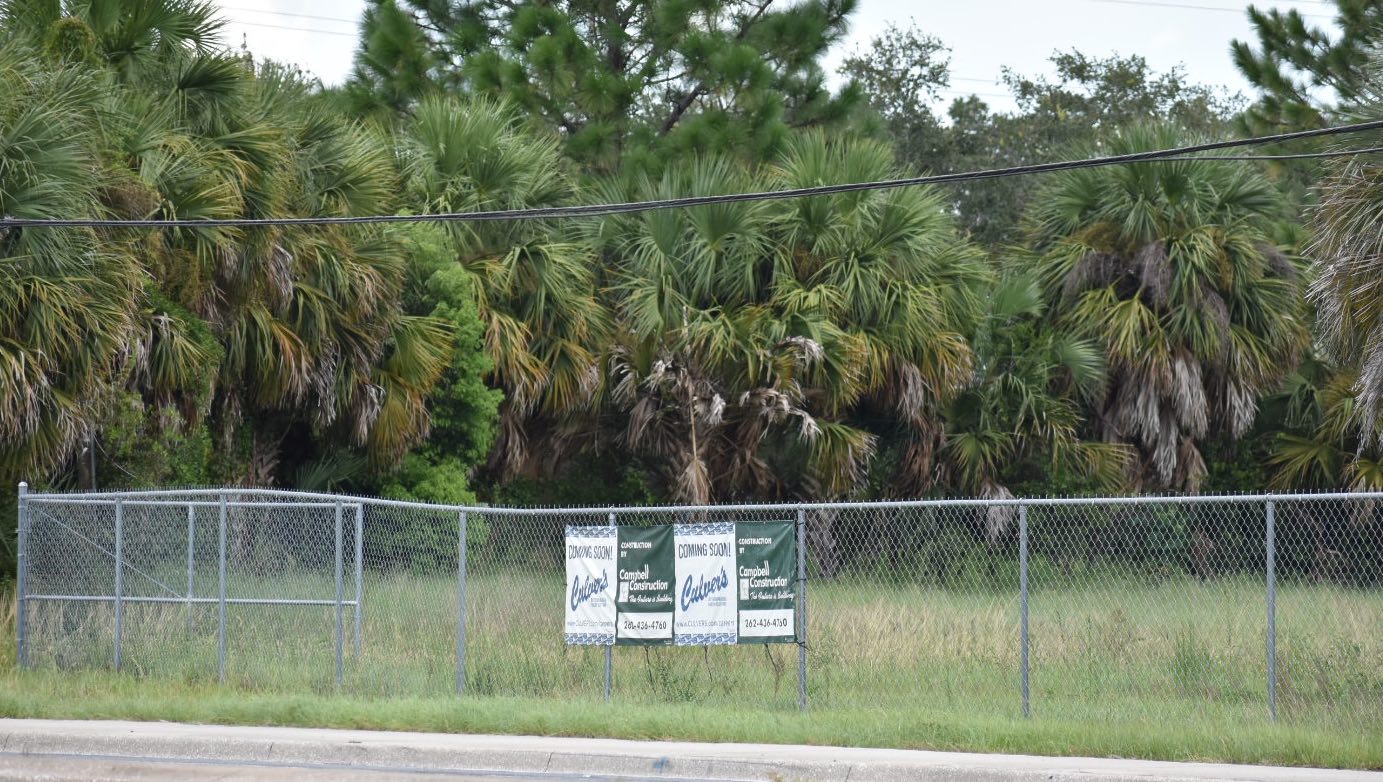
{"points": [[590, 585], [706, 608]]}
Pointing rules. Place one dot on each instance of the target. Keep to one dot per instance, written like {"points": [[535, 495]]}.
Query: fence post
{"points": [[609, 650], [340, 595], [1023, 601], [801, 610], [119, 581], [221, 593], [1271, 567], [191, 562], [359, 575], [21, 621], [461, 604]]}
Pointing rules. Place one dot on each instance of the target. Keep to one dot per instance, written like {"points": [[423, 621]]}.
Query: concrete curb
{"points": [[391, 752]]}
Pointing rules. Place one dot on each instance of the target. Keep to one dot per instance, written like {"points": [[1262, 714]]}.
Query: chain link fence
{"points": [[1165, 609]]}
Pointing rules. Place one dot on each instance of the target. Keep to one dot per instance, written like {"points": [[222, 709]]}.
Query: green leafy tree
{"points": [[625, 83], [464, 410], [1172, 267], [1074, 115], [1088, 99]]}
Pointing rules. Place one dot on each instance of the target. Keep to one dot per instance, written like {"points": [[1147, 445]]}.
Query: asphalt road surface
{"points": [[76, 750]]}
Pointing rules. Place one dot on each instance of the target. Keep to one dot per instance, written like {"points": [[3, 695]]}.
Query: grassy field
{"points": [[1161, 670]]}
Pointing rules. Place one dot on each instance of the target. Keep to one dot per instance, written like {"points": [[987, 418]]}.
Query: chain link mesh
{"points": [[1148, 610]]}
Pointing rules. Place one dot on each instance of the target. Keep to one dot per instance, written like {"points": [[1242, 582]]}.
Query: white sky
{"points": [[983, 35]]}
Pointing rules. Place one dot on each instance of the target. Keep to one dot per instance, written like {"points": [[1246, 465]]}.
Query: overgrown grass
{"points": [[1172, 670]]}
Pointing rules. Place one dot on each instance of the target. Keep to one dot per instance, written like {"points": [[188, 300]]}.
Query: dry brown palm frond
{"points": [[1277, 261], [1240, 408], [510, 452], [1217, 312], [918, 469], [1191, 469], [1164, 447], [1136, 411], [1154, 273], [997, 518], [809, 429], [1096, 269], [1188, 394], [322, 385], [909, 390], [711, 411], [693, 484], [640, 420], [808, 350], [277, 274], [625, 388]]}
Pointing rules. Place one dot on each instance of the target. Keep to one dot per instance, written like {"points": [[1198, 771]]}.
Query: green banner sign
{"points": [[688, 584], [644, 603], [767, 572]]}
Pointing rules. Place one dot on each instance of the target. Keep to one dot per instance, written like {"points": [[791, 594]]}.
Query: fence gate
{"points": [[265, 590]]}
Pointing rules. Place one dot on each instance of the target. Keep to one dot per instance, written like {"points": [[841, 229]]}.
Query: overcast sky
{"points": [[983, 35]]}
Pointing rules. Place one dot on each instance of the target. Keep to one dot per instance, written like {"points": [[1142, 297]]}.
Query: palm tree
{"points": [[266, 332], [1021, 418], [1172, 268], [1337, 431], [66, 315], [753, 341], [1321, 446], [1347, 264], [310, 318], [136, 39], [889, 271], [700, 370], [535, 288]]}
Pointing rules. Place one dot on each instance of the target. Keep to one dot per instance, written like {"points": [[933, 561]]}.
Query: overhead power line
{"points": [[294, 29], [1191, 7], [601, 210], [1297, 156], [340, 19]]}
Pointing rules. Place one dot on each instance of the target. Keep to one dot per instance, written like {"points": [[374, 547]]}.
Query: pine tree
{"points": [[1303, 73], [623, 81]]}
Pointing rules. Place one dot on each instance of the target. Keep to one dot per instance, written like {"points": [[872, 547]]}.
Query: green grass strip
{"points": [[96, 695]]}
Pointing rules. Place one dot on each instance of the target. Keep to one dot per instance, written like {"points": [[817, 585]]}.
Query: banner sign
{"points": [[704, 561], [645, 599], [590, 592], [683, 584], [767, 574]]}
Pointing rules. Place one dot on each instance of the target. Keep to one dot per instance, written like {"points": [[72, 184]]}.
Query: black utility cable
{"points": [[1297, 156], [601, 210]]}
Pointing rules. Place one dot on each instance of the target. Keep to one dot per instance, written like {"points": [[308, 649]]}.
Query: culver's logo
{"points": [[592, 586], [691, 595]]}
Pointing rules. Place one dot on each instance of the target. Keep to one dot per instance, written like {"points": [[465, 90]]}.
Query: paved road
{"points": [[72, 750]]}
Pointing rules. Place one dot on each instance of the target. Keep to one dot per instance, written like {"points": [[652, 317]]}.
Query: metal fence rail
{"points": [[1180, 608]]}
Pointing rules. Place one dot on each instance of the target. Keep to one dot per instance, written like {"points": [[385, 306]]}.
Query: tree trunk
{"points": [[821, 541]]}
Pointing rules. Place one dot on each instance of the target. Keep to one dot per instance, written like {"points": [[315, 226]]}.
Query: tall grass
{"points": [[1175, 652]]}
